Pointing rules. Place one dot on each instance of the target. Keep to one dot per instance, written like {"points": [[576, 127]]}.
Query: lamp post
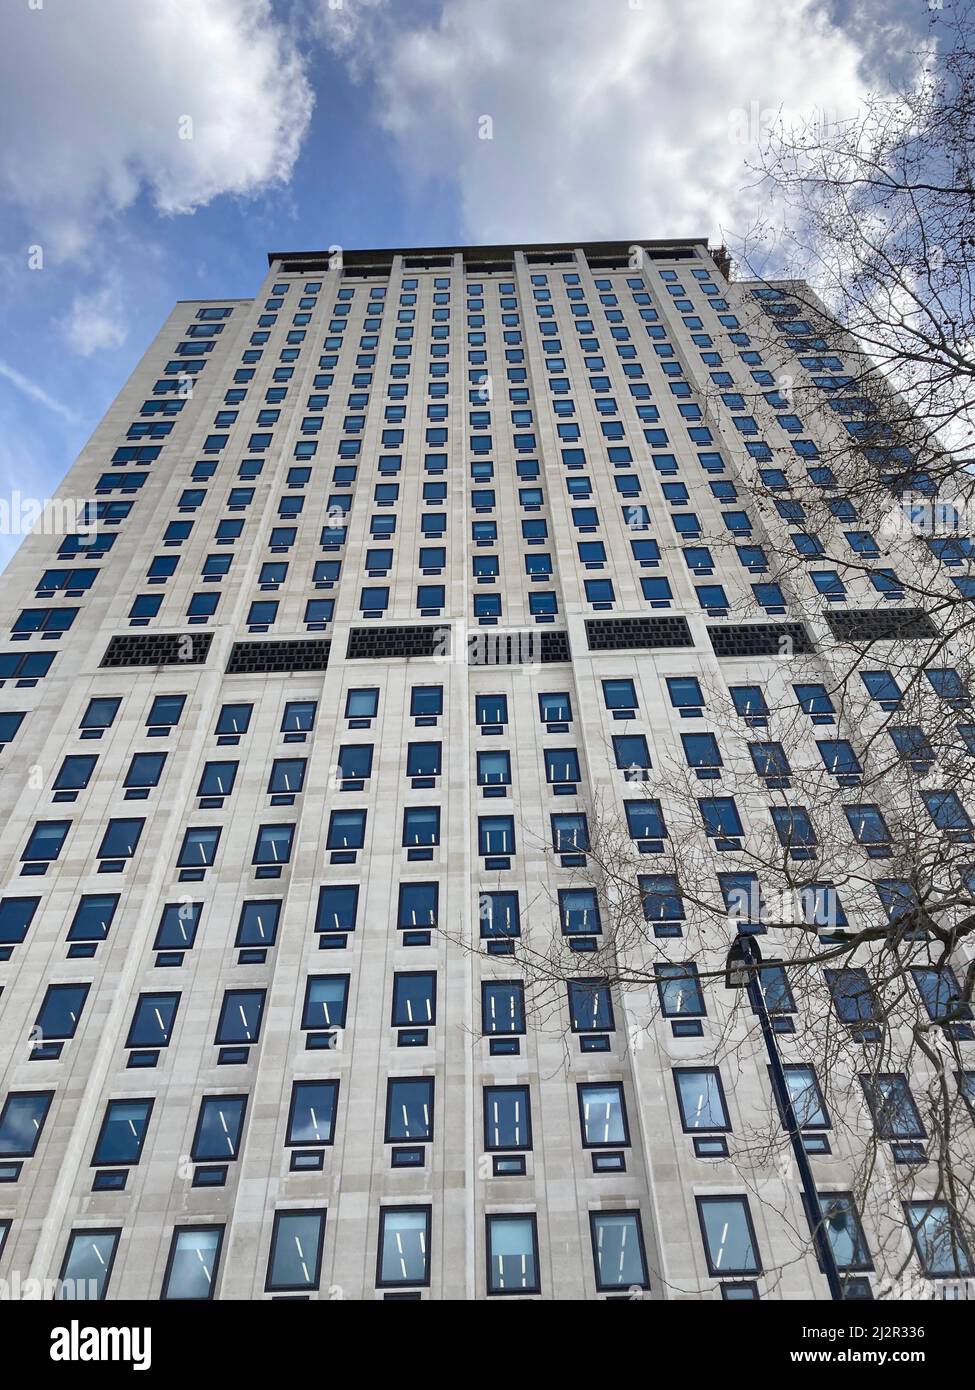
{"points": [[742, 972]]}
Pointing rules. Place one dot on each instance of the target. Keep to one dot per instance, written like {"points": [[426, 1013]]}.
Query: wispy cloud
{"points": [[37, 393]]}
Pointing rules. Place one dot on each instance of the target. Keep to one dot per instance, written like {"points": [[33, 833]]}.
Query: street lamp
{"points": [[742, 972]]}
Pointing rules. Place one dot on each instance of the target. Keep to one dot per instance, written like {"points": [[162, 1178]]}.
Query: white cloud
{"points": [[96, 321], [611, 118], [30, 388], [94, 98]]}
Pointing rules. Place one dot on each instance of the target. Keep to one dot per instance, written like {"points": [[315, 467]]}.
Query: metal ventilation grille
{"points": [[392, 643], [158, 649], [879, 624], [760, 639], [636, 634], [254, 658], [527, 647]]}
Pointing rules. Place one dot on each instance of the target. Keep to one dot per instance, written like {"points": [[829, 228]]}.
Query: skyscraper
{"points": [[367, 605]]}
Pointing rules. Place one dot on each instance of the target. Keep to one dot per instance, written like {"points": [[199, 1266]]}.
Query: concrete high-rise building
{"points": [[361, 599]]}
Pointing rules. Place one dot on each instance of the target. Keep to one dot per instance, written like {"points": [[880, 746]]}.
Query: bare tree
{"points": [[834, 806]]}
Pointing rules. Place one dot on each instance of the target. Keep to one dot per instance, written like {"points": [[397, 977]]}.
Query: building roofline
{"points": [[370, 255]]}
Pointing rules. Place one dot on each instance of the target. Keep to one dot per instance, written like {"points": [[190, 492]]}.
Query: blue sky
{"points": [[362, 123]]}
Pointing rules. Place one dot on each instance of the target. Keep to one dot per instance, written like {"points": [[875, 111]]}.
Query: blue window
{"points": [[685, 694], [426, 700], [346, 830], [721, 819], [729, 1236], [311, 1118], [152, 1020], [701, 752], [404, 1246], [499, 914], [942, 998], [418, 905], [337, 908], [815, 701], [882, 687], [795, 830], [74, 773], [512, 1254], [679, 990], [45, 841], [854, 1001], [219, 1126], [217, 779], [16, 915], [165, 711], [491, 710], [295, 1259], [361, 704], [771, 763], [618, 1250], [839, 759], [123, 1133], [496, 835], [421, 826], [619, 695], [939, 1240], [645, 820], [892, 1106], [948, 685], [602, 1115], [60, 1013], [632, 754], [948, 813], [199, 847], [590, 1006], [494, 768], [326, 1002], [240, 1017], [661, 898], [579, 912], [503, 1007], [555, 707], [178, 926], [22, 1122], [194, 1259], [868, 826], [414, 999], [570, 833]]}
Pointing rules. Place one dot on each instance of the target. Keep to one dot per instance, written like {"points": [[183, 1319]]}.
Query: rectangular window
{"points": [[590, 1006], [326, 1002], [22, 1122], [418, 905], [895, 1115], [618, 1251], [295, 1260], [311, 1118], [194, 1258], [507, 1118], [729, 1236], [512, 1254], [87, 1265], [123, 1132], [414, 999], [152, 1021], [602, 1115], [700, 1099], [409, 1109], [503, 1007], [219, 1126], [938, 1240], [404, 1246], [240, 1017]]}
